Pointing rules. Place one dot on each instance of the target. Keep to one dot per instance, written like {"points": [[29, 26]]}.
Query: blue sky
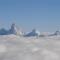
{"points": [[43, 15]]}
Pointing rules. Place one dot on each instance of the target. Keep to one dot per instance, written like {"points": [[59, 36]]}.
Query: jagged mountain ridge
{"points": [[13, 30], [34, 32], [17, 31]]}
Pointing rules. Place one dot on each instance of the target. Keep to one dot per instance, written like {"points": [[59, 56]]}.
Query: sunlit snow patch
{"points": [[3, 49], [48, 55], [35, 49]]}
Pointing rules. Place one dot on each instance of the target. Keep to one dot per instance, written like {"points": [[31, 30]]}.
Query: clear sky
{"points": [[43, 15]]}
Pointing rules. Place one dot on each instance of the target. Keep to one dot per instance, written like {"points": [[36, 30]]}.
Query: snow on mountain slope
{"points": [[33, 33], [29, 48], [15, 30]]}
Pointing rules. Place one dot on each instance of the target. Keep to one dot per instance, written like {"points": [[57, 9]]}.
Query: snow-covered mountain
{"points": [[17, 31], [33, 33], [3, 31], [55, 33], [13, 30]]}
